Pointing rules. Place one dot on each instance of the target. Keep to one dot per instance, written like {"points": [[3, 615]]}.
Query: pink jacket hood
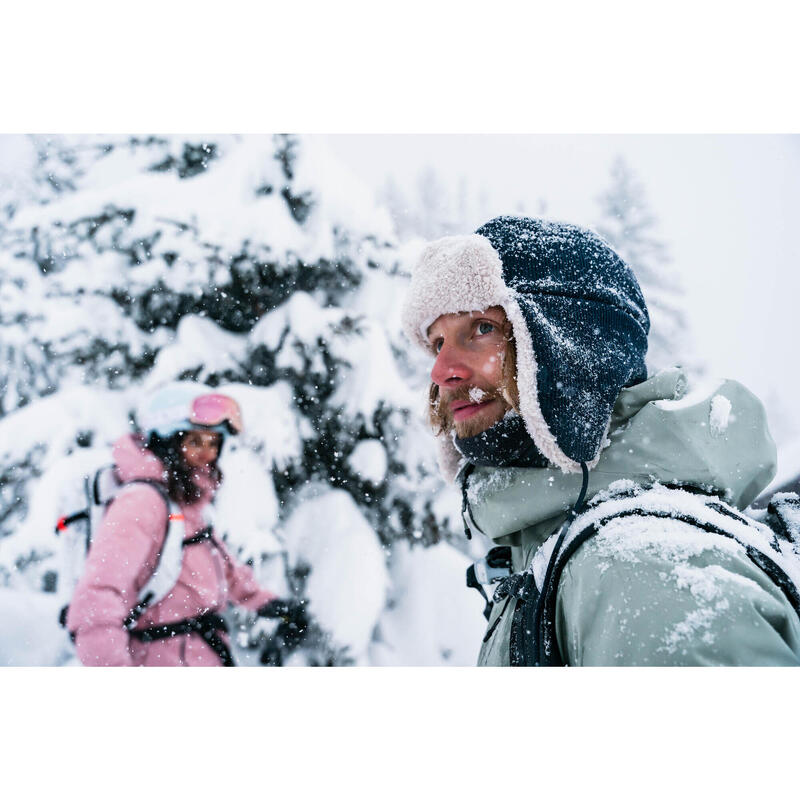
{"points": [[135, 462]]}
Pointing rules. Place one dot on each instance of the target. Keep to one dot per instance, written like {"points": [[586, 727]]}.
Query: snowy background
{"points": [[272, 267]]}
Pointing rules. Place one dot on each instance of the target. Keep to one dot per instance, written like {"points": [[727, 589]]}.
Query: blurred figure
{"points": [[169, 477]]}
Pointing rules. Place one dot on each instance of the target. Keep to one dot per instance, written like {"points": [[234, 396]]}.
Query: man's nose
{"points": [[450, 366]]}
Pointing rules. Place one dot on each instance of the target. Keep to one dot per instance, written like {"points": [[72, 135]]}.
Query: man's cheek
{"points": [[491, 369]]}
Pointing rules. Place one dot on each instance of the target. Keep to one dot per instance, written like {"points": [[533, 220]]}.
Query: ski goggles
{"points": [[210, 410]]}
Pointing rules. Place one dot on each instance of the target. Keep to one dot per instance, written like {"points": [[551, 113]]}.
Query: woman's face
{"points": [[200, 448]]}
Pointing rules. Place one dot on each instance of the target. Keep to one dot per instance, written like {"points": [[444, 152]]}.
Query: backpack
{"points": [[89, 501]]}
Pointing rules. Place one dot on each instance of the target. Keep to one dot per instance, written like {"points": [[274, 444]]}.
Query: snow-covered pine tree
{"points": [[630, 227], [254, 264]]}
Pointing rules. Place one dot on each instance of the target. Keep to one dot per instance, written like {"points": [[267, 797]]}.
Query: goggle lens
{"points": [[214, 409]]}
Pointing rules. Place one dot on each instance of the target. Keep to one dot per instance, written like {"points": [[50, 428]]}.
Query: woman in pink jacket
{"points": [[185, 426]]}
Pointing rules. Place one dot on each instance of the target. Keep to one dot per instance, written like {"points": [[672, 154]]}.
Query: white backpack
{"points": [[76, 529]]}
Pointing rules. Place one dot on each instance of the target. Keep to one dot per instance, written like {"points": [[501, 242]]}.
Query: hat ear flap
{"points": [[530, 409]]}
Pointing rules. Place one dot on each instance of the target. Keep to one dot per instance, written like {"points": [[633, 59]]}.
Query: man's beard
{"points": [[441, 413], [477, 422]]}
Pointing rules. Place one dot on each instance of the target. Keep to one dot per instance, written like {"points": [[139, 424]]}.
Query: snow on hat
{"points": [[579, 319]]}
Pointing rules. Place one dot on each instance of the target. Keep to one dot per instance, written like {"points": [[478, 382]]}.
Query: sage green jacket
{"points": [[699, 602]]}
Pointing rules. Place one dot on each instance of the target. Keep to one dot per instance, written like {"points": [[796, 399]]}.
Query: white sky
{"points": [[727, 206]]}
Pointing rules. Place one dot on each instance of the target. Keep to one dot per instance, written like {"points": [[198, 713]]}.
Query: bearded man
{"points": [[613, 498]]}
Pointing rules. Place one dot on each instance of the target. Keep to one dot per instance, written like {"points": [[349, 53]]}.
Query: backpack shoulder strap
{"points": [[170, 557]]}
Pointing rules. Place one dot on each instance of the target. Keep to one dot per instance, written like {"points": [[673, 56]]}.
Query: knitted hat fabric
{"points": [[579, 320]]}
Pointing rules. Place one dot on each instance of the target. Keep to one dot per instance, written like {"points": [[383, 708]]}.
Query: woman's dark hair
{"points": [[180, 486]]}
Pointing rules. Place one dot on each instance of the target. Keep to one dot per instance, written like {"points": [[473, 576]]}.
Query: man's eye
{"points": [[437, 345], [485, 327]]}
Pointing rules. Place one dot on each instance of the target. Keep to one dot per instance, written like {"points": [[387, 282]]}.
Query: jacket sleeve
{"points": [[122, 557], [243, 589]]}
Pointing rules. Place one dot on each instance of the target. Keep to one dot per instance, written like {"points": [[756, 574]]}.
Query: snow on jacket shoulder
{"points": [[677, 578], [123, 555], [692, 599]]}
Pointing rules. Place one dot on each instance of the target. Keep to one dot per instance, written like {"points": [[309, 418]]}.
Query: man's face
{"points": [[471, 371]]}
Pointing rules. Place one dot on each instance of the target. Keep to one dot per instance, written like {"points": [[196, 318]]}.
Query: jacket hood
{"points": [[135, 462], [714, 436], [580, 323]]}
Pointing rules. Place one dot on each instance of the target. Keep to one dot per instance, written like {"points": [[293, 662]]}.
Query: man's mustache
{"points": [[465, 394]]}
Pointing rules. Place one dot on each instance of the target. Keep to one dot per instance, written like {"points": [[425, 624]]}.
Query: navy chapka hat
{"points": [[580, 323]]}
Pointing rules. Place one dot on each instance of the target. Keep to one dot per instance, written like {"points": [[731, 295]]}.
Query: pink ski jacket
{"points": [[124, 554]]}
